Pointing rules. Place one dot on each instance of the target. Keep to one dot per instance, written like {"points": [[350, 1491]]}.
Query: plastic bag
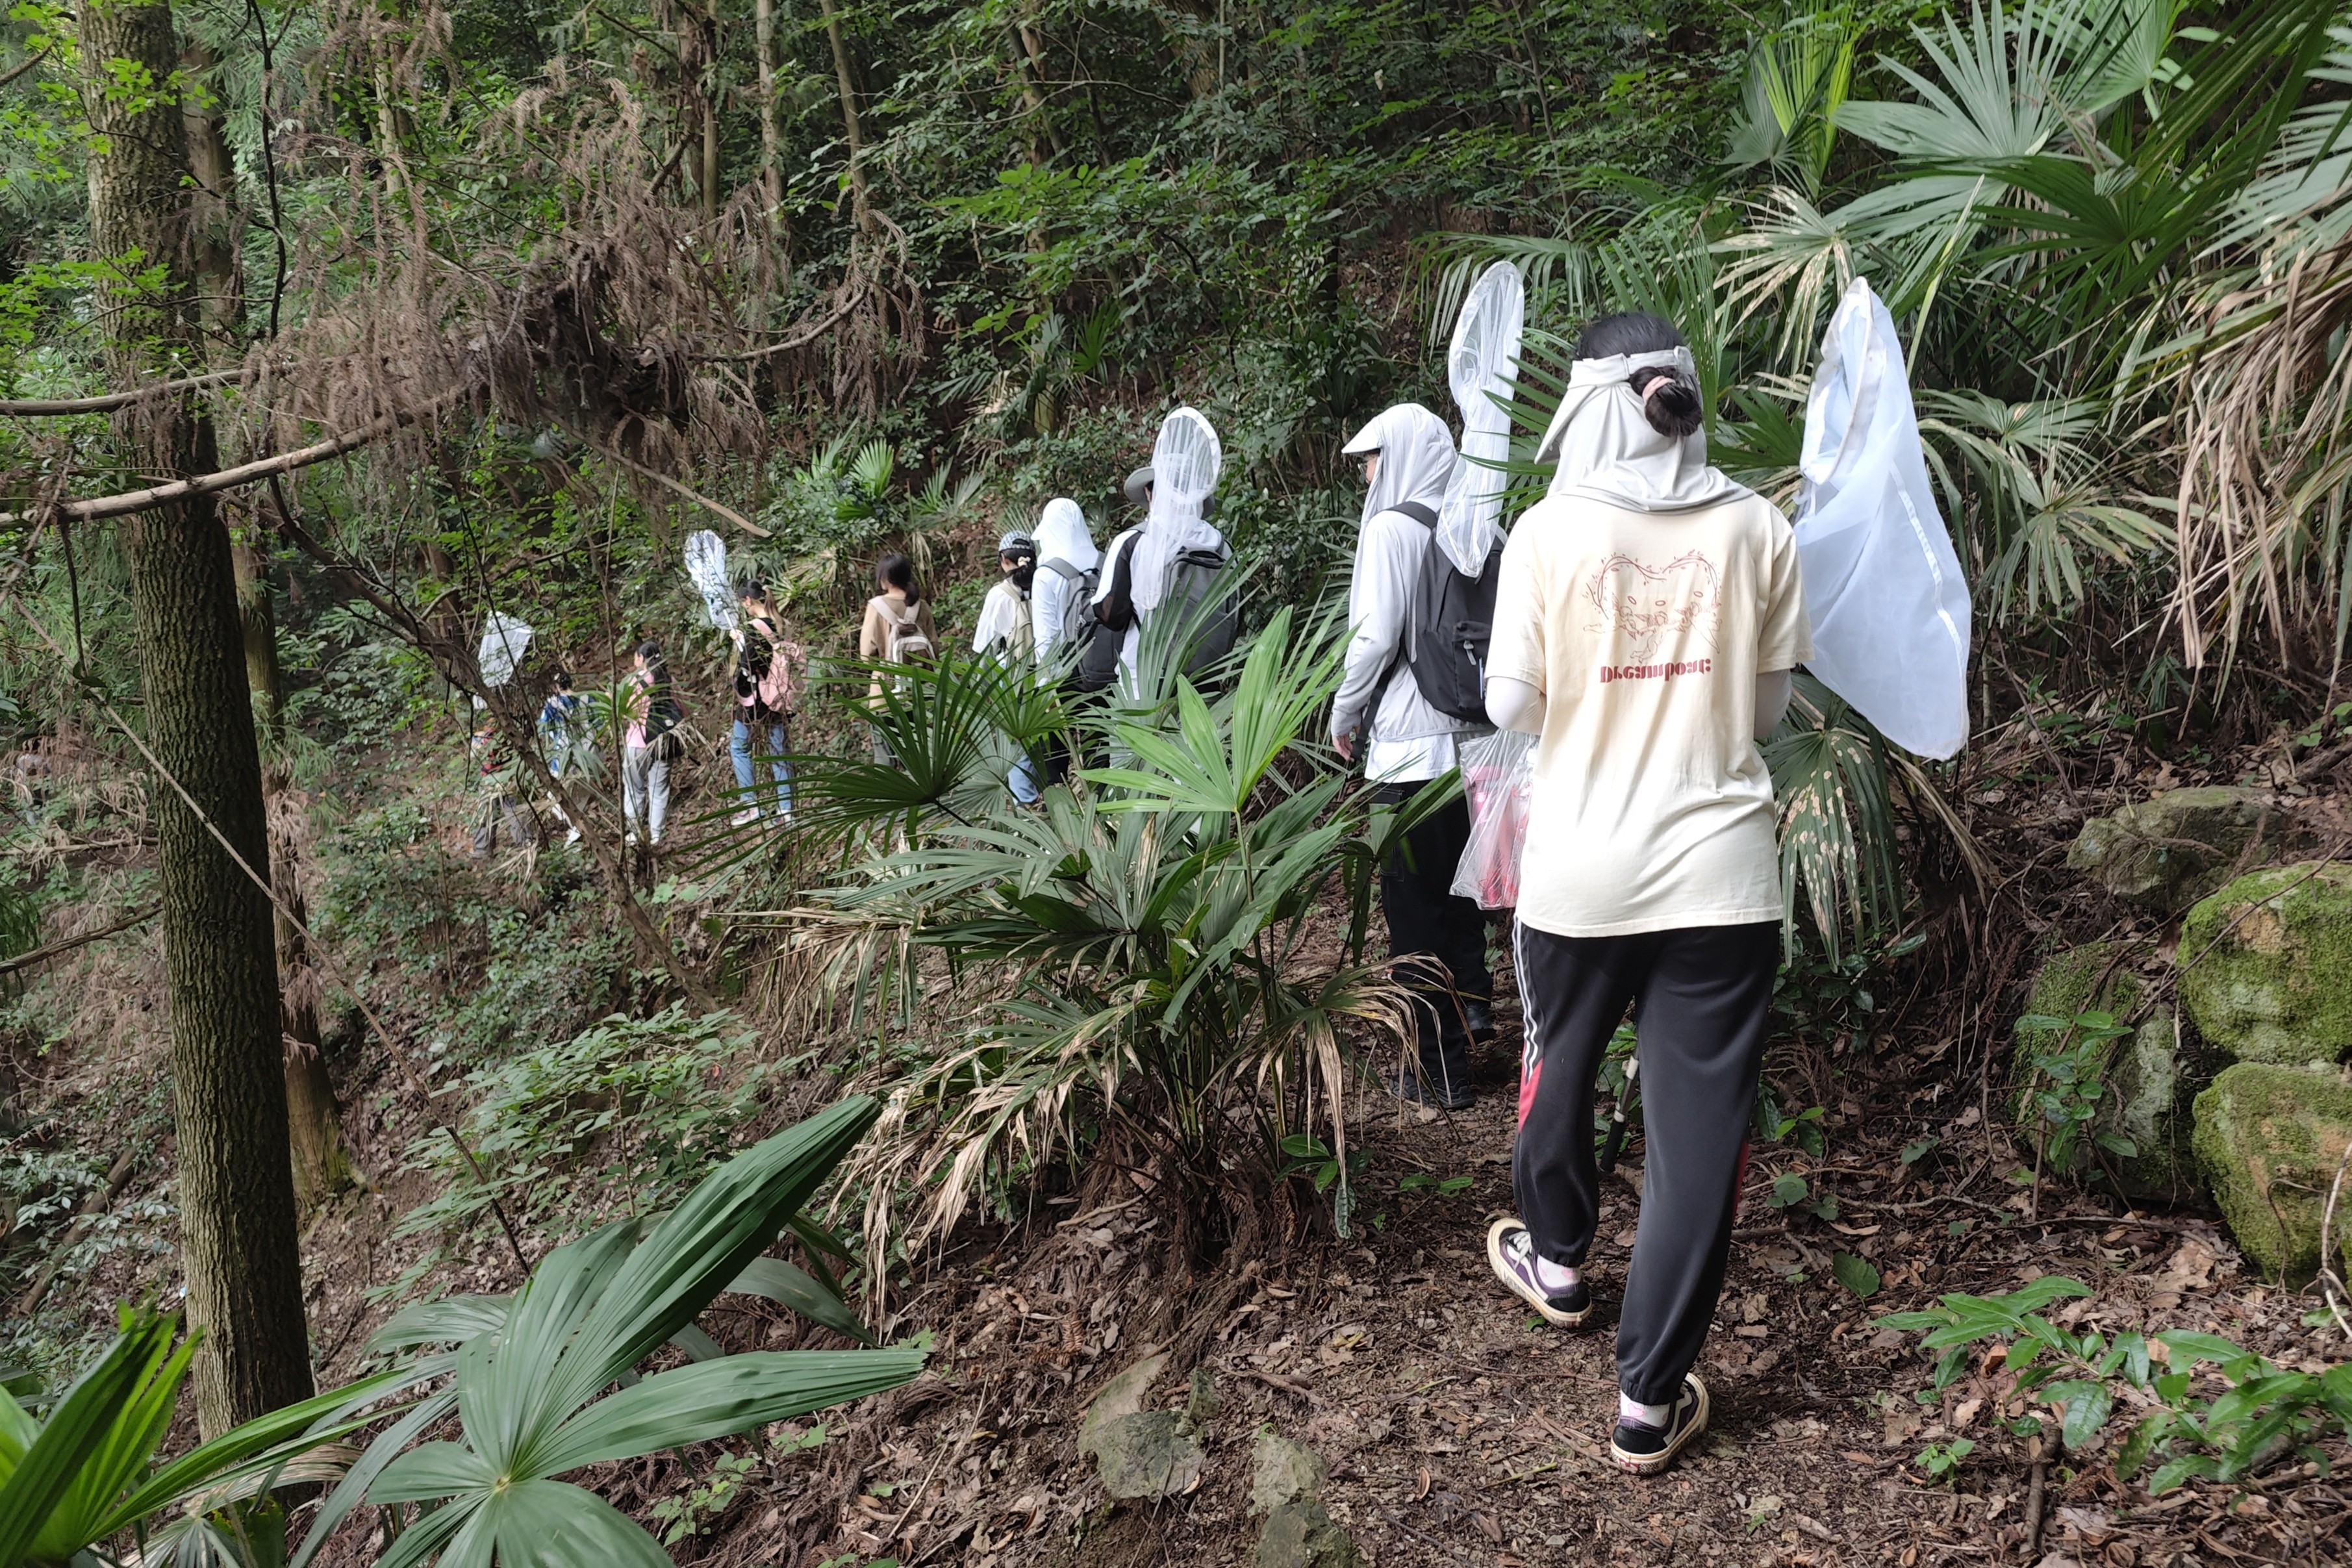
{"points": [[1498, 774], [1883, 585]]}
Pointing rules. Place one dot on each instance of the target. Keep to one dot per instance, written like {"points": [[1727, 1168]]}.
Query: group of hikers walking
{"points": [[1641, 624], [770, 674]]}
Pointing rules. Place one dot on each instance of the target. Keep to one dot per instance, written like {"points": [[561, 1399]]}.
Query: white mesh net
{"points": [[706, 567], [1482, 365]]}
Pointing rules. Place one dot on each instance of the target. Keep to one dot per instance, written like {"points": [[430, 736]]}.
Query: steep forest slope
{"points": [[923, 1177]]}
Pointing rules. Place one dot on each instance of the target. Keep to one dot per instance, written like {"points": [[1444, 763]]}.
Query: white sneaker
{"points": [[630, 837], [745, 817], [786, 816], [572, 837]]}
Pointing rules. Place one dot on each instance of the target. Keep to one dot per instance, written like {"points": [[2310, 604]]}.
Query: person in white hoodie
{"points": [[1408, 456]]}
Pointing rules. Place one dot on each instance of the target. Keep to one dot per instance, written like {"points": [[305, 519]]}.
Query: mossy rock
{"points": [[2270, 1140], [2178, 846], [2152, 1075], [2266, 965]]}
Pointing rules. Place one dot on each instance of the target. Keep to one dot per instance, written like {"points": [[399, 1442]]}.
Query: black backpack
{"points": [[1078, 623], [1448, 623], [1196, 593], [1212, 614]]}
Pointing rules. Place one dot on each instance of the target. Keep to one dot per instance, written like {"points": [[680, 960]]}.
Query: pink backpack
{"points": [[779, 690]]}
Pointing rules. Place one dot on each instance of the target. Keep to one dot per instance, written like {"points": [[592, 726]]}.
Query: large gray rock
{"points": [[2271, 1140], [2266, 965], [1283, 1471], [1287, 1486], [1140, 1453], [1301, 1535], [2151, 1075], [1151, 1454], [2174, 848]]}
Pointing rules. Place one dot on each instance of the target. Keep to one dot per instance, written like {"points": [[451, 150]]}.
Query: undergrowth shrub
{"points": [[2202, 1407], [619, 1120]]}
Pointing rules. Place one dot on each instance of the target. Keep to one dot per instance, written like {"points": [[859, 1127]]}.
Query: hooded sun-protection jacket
{"points": [[1407, 739], [1062, 535], [1608, 449]]}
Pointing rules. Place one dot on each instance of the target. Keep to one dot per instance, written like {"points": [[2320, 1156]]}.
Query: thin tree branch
{"points": [[13, 73], [798, 340], [43, 954], [105, 403], [245, 473], [729, 513]]}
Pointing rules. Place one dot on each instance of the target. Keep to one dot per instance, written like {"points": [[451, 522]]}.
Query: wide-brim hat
{"points": [[1138, 485]]}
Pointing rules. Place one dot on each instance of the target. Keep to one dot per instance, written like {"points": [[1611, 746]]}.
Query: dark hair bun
{"points": [[1669, 401]]}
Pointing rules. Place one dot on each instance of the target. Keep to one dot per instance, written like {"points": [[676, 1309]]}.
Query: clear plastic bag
{"points": [[1883, 584], [1498, 774]]}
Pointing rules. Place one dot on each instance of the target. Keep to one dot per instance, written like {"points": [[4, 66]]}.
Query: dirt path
{"points": [[1459, 1430]]}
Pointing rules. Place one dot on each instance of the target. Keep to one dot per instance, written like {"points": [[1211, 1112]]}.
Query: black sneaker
{"points": [[1479, 1018], [1644, 1451], [1426, 1088], [1512, 1253]]}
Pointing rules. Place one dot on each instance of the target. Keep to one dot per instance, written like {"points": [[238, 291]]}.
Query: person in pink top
{"points": [[650, 745]]}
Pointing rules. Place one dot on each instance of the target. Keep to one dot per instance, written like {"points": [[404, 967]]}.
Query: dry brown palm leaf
{"points": [[2266, 387]]}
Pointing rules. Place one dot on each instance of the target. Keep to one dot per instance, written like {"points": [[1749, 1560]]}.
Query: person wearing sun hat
{"points": [[1406, 744]]}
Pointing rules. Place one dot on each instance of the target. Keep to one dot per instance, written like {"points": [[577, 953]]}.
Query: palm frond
{"points": [[1829, 773]]}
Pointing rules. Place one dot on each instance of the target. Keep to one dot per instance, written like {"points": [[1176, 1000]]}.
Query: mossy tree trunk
{"points": [[239, 1243]]}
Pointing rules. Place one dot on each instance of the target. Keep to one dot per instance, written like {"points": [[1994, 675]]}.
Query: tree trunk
{"points": [[315, 1130], [772, 131], [238, 1244], [860, 203], [220, 301]]}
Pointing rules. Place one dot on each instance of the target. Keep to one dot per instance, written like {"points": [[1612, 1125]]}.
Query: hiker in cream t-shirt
{"points": [[1649, 618]]}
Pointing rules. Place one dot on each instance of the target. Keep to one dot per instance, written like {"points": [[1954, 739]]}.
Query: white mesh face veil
{"points": [[1481, 367], [1062, 535], [1416, 458], [1184, 463], [1609, 450]]}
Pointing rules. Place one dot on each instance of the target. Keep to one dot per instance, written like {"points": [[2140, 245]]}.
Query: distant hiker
{"points": [[1061, 595], [768, 683], [897, 629], [1380, 710], [496, 805], [1174, 558], [652, 743], [562, 737], [1648, 615], [1007, 630]]}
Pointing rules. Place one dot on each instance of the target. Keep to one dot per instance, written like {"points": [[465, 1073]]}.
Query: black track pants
{"points": [[1423, 916], [1703, 994]]}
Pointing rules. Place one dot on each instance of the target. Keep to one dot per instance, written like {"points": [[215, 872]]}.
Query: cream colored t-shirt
{"points": [[1645, 632]]}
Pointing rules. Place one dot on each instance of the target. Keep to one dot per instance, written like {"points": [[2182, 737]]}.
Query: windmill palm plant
{"points": [[1133, 969], [547, 1381], [540, 1383], [86, 1480]]}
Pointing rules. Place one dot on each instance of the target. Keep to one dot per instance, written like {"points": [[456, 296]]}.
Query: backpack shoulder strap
{"points": [[1423, 514], [1063, 569]]}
